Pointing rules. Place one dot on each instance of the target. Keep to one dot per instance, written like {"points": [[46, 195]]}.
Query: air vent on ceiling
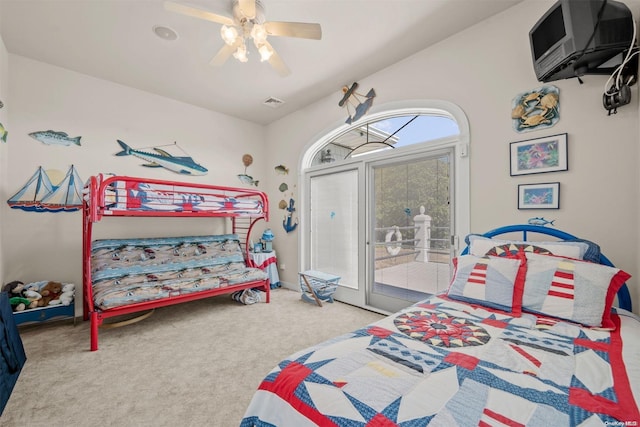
{"points": [[273, 102]]}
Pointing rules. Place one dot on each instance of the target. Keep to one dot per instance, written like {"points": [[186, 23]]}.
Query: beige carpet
{"points": [[193, 364]]}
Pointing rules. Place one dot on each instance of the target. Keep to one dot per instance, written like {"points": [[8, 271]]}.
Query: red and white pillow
{"points": [[536, 280]]}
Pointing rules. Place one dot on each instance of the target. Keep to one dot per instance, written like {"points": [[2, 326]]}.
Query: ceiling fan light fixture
{"points": [[259, 34], [229, 34], [265, 52], [241, 53]]}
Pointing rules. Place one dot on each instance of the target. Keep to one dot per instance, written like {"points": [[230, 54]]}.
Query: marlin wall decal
{"points": [[162, 159]]}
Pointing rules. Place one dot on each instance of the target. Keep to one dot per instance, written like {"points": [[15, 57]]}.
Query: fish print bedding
{"points": [[450, 363], [127, 271]]}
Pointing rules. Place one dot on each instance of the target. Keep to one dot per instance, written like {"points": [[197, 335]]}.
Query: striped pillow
{"points": [[494, 282], [570, 289]]}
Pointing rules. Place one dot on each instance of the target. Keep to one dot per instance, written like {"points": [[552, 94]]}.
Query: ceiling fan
{"points": [[248, 23]]}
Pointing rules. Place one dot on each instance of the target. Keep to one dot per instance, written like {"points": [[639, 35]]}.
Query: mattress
{"points": [[127, 271]]}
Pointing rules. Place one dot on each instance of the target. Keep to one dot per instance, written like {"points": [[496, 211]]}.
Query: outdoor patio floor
{"points": [[420, 277]]}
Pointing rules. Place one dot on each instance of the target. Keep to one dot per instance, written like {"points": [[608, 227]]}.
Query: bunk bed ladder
{"points": [[241, 227]]}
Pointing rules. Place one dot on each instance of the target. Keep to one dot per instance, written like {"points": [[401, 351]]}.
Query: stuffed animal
{"points": [[49, 292], [66, 296], [20, 297], [19, 303], [14, 288]]}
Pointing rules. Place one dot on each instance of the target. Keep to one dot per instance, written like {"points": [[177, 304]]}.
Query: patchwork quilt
{"points": [[447, 363]]}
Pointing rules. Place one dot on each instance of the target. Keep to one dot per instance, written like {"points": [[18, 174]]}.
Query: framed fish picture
{"points": [[539, 196], [547, 154]]}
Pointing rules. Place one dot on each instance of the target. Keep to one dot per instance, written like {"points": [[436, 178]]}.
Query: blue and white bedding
{"points": [[126, 271], [448, 363], [142, 196]]}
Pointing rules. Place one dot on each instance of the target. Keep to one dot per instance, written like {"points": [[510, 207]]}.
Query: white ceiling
{"points": [[113, 40]]}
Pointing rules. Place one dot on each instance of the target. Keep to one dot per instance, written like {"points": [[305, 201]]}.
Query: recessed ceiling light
{"points": [[165, 33]]}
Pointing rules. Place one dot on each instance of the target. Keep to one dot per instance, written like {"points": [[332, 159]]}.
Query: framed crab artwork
{"points": [[536, 109]]}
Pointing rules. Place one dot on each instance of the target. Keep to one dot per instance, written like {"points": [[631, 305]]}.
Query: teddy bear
{"points": [[50, 291], [66, 296]]}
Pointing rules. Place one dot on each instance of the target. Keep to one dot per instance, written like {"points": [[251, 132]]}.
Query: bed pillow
{"points": [[480, 245], [494, 282], [570, 289]]}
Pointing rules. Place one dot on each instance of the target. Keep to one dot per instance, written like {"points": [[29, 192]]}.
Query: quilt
{"points": [[447, 363]]}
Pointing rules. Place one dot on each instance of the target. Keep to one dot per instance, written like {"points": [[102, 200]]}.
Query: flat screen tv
{"points": [[575, 37]]}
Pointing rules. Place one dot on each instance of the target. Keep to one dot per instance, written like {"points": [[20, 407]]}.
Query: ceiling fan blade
{"points": [[223, 54], [301, 30], [277, 63], [197, 13], [248, 8]]}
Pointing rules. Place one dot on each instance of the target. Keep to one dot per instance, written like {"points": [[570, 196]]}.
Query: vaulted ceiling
{"points": [[114, 40]]}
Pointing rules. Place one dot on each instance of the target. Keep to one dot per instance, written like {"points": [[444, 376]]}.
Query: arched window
{"points": [[383, 201]]}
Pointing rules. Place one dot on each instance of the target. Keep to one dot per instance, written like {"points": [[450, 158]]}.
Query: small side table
{"points": [[268, 262]]}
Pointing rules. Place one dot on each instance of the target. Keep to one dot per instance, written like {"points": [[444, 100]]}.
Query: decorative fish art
{"points": [[161, 159], [360, 102], [282, 170], [3, 133], [51, 137], [247, 160], [246, 179], [540, 221]]}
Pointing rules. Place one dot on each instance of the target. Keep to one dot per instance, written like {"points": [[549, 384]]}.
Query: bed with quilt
{"points": [[526, 335], [131, 275]]}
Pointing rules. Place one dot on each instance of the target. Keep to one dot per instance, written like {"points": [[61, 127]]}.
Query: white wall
{"points": [[4, 119], [482, 70], [48, 246]]}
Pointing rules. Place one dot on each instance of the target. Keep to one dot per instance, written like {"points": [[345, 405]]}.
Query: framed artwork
{"points": [[539, 196], [546, 154]]}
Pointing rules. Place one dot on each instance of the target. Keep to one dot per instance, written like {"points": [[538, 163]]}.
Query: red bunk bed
{"points": [[124, 276]]}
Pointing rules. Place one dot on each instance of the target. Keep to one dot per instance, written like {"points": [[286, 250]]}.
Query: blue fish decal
{"points": [[181, 165], [540, 221], [51, 137]]}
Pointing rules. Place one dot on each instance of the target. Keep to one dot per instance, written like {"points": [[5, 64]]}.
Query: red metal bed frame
{"points": [[96, 206]]}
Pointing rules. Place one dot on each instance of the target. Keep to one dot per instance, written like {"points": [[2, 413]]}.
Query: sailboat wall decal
{"points": [[40, 195]]}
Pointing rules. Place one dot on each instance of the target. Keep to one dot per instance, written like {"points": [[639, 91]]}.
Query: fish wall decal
{"points": [[282, 169], [161, 159], [247, 160], [3, 133], [538, 220], [247, 179], [51, 137]]}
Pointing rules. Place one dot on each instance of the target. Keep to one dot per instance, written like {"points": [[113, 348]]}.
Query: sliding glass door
{"points": [[410, 226]]}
